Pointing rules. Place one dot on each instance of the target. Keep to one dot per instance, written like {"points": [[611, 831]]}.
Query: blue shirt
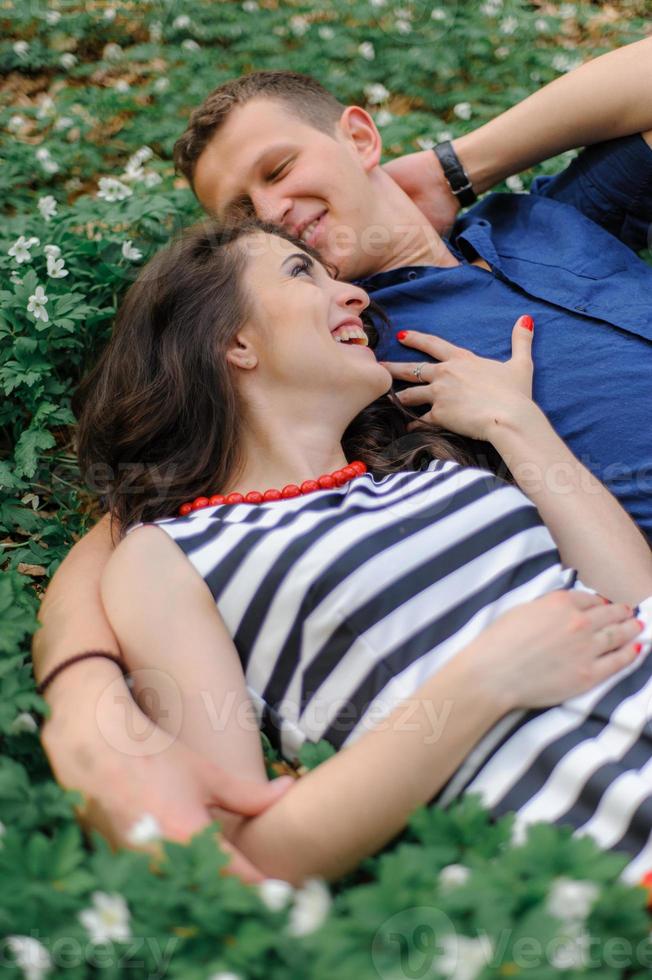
{"points": [[566, 254]]}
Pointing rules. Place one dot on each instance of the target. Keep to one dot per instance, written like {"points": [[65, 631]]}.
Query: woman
{"points": [[420, 602]]}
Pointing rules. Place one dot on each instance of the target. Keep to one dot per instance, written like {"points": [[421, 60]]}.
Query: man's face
{"points": [[286, 171]]}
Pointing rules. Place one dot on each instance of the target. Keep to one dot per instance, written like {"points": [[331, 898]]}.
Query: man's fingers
{"points": [[522, 339], [245, 796], [438, 348]]}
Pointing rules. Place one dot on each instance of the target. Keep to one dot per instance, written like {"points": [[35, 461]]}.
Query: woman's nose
{"points": [[352, 297]]}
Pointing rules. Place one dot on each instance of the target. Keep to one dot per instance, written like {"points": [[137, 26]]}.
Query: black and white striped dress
{"points": [[343, 602]]}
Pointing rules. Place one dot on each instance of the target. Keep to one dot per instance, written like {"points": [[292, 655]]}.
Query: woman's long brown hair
{"points": [[160, 414]]}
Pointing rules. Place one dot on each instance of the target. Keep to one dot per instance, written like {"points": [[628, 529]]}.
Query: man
{"points": [[282, 146]]}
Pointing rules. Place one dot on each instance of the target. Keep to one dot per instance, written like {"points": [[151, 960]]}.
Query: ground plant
{"points": [[92, 98]]}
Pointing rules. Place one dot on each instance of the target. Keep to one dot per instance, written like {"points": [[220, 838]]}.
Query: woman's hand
{"points": [[129, 770], [468, 394], [553, 648]]}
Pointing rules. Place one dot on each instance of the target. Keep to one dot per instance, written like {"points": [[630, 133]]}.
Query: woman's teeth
{"points": [[346, 335]]}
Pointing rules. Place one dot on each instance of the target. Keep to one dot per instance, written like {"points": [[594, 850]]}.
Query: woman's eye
{"points": [[300, 267]]}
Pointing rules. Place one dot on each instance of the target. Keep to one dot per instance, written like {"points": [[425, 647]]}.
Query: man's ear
{"points": [[241, 354], [358, 127]]}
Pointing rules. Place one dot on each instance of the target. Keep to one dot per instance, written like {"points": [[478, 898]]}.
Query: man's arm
{"points": [[602, 100]]}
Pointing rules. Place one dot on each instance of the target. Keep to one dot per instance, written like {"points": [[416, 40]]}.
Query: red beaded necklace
{"points": [[327, 482]]}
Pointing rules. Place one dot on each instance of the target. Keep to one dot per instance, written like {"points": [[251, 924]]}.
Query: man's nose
{"points": [[270, 206]]}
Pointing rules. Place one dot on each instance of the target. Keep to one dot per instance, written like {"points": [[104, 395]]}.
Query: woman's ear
{"points": [[358, 127], [241, 354]]}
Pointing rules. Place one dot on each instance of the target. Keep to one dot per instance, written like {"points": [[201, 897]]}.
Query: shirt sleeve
{"points": [[611, 183]]}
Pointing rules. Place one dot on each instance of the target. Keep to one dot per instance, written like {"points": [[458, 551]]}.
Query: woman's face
{"points": [[304, 333]]}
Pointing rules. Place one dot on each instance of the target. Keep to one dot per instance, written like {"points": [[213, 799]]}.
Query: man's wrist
{"points": [[456, 176], [477, 162]]}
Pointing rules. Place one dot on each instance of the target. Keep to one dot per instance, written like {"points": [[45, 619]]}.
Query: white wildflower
{"points": [[56, 267], [463, 110], [31, 956], [250, 6], [310, 910], [111, 189], [190, 45], [571, 950], [21, 48], [383, 117], [225, 975], [326, 33], [109, 13], [44, 158], [122, 86], [151, 178], [567, 10], [24, 722], [147, 828], [47, 206], [403, 26], [454, 875], [161, 84], [15, 278], [444, 136], [52, 17], [367, 51], [515, 184], [275, 893], [181, 23], [155, 31], [36, 304], [111, 52], [509, 25], [20, 250], [425, 144], [68, 60], [463, 958], [571, 900], [541, 25], [107, 920], [16, 123], [565, 62], [376, 93], [299, 25], [46, 107], [491, 8], [63, 122], [52, 251], [503, 52], [438, 13], [378, 3]]}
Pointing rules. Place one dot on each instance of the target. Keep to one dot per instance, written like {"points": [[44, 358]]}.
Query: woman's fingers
{"points": [[419, 395], [617, 635], [245, 796], [405, 371], [609, 664], [604, 615], [438, 348], [239, 865]]}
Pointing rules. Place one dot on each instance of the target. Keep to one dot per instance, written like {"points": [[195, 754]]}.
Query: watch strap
{"points": [[455, 174]]}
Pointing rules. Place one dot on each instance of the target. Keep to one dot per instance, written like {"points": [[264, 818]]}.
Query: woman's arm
{"points": [[490, 400], [169, 627]]}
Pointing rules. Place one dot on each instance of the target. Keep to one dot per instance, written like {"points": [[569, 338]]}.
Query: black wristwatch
{"points": [[455, 174]]}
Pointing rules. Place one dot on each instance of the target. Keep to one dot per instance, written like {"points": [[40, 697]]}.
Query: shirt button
{"points": [[412, 274], [581, 309]]}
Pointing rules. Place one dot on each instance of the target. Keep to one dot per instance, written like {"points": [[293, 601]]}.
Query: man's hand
{"points": [[124, 776], [421, 177]]}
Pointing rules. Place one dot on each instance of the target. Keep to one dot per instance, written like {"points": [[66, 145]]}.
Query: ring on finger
{"points": [[416, 371]]}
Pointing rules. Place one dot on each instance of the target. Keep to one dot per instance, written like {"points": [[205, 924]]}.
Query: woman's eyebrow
{"points": [[299, 255]]}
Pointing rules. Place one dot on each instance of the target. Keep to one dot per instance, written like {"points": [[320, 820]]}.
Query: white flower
{"points": [[299, 25], [491, 8], [111, 52], [463, 110], [107, 920], [541, 25], [444, 136], [250, 6], [383, 117], [190, 45], [31, 956], [24, 722], [36, 304], [502, 52], [366, 50], [68, 60], [225, 975], [463, 958], [47, 206], [571, 900], [46, 107], [378, 3], [16, 123], [3, 830], [122, 86], [509, 25], [21, 48], [454, 875], [275, 893], [147, 828], [424, 143], [376, 93], [438, 13], [20, 250], [63, 122], [565, 62], [43, 156], [15, 278], [52, 17], [567, 10], [151, 178], [56, 268], [161, 84], [155, 31], [515, 184], [112, 190], [52, 251], [571, 950], [109, 13], [312, 903], [403, 26], [181, 22], [326, 33], [142, 155]]}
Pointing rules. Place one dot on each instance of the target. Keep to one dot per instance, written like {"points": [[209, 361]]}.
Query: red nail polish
{"points": [[401, 335], [638, 647], [641, 623], [527, 322]]}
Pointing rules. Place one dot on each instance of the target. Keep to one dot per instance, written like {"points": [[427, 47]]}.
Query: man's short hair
{"points": [[301, 94]]}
